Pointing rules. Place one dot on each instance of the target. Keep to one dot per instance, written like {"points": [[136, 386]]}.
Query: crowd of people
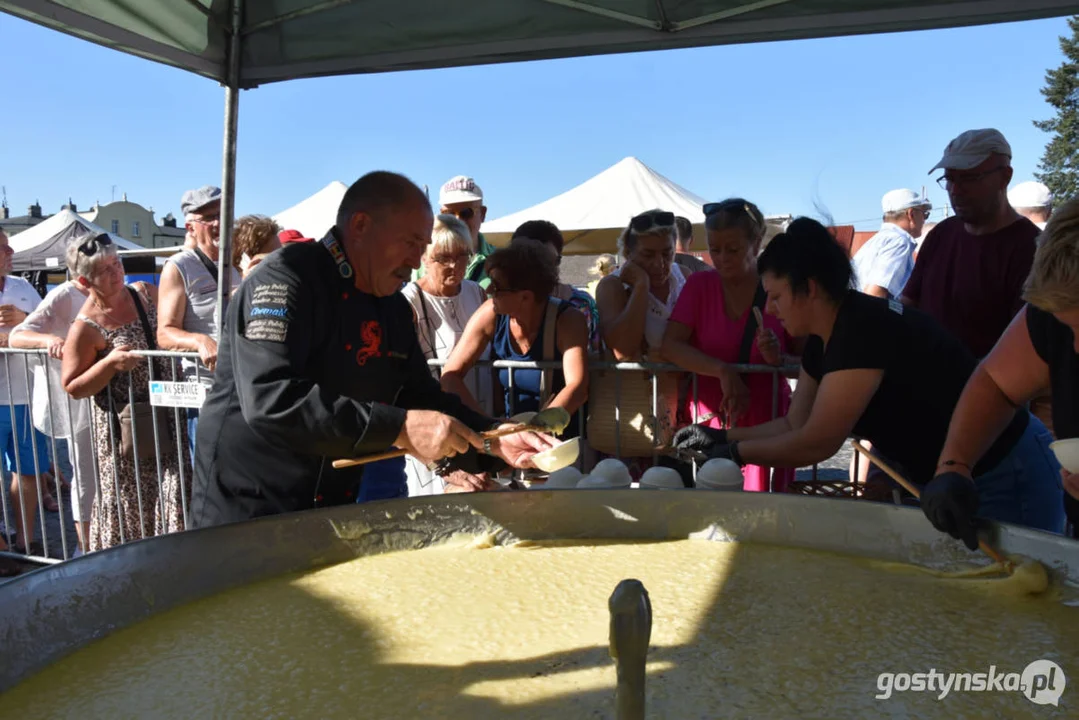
{"points": [[931, 352]]}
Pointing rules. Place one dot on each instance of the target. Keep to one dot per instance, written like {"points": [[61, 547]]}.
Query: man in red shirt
{"points": [[970, 270]]}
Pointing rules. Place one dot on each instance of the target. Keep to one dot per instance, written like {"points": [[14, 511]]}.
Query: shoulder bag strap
{"points": [[550, 320], [427, 322], [751, 326], [151, 343]]}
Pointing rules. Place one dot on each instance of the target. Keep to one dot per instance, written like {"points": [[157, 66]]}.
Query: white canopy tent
{"points": [[43, 246], [316, 215], [592, 215]]}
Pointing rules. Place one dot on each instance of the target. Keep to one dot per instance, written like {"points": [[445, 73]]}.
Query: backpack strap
{"points": [[550, 321]]}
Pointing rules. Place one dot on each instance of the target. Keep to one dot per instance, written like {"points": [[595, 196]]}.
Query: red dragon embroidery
{"points": [[371, 334]]}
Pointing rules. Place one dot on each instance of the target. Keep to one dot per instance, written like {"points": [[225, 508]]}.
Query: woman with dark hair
{"points": [[521, 321], [713, 327], [549, 234], [878, 370]]}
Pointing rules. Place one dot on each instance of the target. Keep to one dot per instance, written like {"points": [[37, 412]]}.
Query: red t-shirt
{"points": [[972, 284]]}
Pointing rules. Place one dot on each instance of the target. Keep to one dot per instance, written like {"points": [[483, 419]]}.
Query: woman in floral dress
{"points": [[134, 500]]}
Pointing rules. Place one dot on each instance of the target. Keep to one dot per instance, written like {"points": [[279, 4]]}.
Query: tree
{"points": [[1059, 165]]}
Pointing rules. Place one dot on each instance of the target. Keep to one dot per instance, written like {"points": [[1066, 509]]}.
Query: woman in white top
{"points": [[54, 412], [636, 300], [442, 302]]}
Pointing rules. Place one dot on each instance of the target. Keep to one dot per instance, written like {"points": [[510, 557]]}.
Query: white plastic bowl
{"points": [[1067, 452], [661, 478], [558, 457], [720, 474]]}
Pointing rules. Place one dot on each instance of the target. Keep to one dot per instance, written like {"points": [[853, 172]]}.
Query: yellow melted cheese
{"points": [[473, 631]]}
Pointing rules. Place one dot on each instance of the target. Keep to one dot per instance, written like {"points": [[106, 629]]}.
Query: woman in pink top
{"points": [[706, 330]]}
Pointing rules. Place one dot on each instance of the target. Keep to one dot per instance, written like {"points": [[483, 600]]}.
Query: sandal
{"points": [[50, 502]]}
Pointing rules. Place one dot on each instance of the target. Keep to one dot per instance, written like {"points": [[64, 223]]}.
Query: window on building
{"points": [[135, 229], [115, 227]]}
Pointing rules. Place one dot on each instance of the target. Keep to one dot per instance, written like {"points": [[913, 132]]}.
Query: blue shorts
{"points": [[1025, 487], [19, 440]]}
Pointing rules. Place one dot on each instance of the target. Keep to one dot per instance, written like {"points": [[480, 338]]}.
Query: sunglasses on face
{"points": [[465, 214], [644, 223], [90, 246], [493, 290]]}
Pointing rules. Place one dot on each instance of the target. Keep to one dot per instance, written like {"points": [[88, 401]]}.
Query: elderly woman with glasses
{"points": [[133, 499], [521, 321], [714, 326], [442, 303]]}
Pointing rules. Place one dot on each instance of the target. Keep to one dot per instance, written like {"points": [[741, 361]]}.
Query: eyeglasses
{"points": [[207, 221], [90, 246], [968, 179], [646, 222], [459, 259], [463, 214]]}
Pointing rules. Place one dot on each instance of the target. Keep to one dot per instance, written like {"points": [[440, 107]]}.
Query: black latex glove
{"points": [[726, 451], [699, 438], [950, 501], [472, 462]]}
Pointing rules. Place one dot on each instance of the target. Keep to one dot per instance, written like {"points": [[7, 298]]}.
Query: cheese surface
{"points": [[467, 630]]}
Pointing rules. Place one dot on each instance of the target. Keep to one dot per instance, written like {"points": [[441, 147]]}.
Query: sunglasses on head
{"points": [[730, 205], [90, 246], [649, 221]]}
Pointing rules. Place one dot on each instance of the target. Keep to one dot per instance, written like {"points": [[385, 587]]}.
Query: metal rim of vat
{"points": [[52, 612]]}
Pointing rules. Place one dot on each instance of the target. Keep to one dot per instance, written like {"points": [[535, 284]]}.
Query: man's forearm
{"points": [[174, 338], [31, 339]]}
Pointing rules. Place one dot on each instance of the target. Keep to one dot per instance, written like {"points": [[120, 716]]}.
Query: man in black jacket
{"points": [[319, 360]]}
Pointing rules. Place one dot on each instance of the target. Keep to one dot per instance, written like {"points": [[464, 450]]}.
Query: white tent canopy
{"points": [[316, 215], [43, 246], [593, 214]]}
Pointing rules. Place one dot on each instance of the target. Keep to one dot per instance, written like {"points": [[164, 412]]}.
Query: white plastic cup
{"points": [[720, 474], [661, 478]]}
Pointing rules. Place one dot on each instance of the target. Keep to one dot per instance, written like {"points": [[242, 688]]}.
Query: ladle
{"points": [[630, 633], [993, 553], [552, 420]]}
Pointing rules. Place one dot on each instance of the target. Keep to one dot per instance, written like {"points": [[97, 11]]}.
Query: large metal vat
{"points": [[52, 612]]}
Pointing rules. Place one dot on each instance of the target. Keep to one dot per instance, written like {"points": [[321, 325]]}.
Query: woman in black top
{"points": [[1039, 349], [878, 370]]}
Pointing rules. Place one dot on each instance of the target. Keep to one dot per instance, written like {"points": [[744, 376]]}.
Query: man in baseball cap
{"points": [[461, 197], [1033, 201], [883, 265], [970, 270], [291, 236]]}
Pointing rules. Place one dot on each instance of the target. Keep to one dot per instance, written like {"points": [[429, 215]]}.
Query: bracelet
{"points": [[487, 446], [951, 463]]}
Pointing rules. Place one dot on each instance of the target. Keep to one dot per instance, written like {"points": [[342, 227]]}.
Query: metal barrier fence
{"points": [[103, 456]]}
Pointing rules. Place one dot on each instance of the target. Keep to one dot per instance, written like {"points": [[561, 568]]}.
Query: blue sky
{"points": [[834, 122]]}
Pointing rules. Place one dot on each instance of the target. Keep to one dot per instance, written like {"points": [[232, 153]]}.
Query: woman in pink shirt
{"points": [[707, 332]]}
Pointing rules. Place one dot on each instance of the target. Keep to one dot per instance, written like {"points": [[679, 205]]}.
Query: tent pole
{"points": [[228, 171]]}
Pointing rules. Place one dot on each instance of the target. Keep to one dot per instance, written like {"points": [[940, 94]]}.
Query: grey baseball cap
{"points": [[195, 200], [972, 148]]}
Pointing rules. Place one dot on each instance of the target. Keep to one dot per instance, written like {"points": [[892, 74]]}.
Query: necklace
{"points": [[106, 313]]}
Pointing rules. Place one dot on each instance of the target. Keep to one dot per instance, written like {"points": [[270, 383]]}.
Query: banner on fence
{"points": [[177, 394]]}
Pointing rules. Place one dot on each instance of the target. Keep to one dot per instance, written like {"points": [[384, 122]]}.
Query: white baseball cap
{"points": [[972, 148], [460, 189], [903, 199], [1030, 194]]}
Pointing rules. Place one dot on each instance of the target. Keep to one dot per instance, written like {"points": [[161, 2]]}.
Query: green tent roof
{"points": [[287, 39]]}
